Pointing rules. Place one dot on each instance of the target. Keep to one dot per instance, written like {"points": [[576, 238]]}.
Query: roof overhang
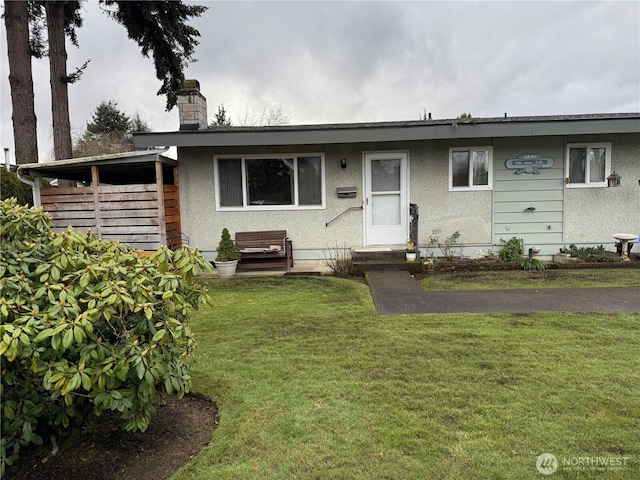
{"points": [[128, 167], [396, 131]]}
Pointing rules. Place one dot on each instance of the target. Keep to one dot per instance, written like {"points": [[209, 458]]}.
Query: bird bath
{"points": [[624, 239]]}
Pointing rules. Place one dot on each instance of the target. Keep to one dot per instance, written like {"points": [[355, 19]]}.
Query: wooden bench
{"points": [[266, 249]]}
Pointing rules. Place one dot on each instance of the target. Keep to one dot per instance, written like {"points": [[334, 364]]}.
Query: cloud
{"points": [[369, 61]]}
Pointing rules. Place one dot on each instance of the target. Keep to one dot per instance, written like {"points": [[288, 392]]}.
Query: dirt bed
{"points": [[179, 430]]}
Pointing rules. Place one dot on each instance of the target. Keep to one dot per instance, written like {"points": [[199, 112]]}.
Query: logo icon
{"points": [[547, 463]]}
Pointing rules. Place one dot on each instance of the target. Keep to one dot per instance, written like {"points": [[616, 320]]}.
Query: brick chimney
{"points": [[192, 106]]}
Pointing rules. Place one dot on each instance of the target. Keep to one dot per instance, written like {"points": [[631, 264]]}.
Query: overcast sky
{"points": [[332, 62]]}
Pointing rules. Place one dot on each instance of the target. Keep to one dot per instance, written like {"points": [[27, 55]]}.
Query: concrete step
{"points": [[361, 266], [382, 254]]}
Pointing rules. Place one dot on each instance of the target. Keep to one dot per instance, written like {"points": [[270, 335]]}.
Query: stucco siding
{"points": [[202, 224], [562, 215], [443, 212], [593, 215]]}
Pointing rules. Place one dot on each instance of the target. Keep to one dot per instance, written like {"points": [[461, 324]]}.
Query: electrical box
{"points": [[346, 192]]}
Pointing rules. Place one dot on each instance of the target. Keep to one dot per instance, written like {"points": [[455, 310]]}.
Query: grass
{"points": [[312, 384], [533, 279]]}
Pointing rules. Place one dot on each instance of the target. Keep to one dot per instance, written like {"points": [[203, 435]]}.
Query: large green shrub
{"points": [[87, 326], [12, 187]]}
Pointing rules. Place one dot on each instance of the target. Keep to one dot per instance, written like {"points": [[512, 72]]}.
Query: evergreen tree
{"points": [[160, 28], [109, 131], [108, 119], [221, 119], [138, 124], [16, 20]]}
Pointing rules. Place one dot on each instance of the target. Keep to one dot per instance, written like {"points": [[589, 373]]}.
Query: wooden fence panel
{"points": [[69, 207], [127, 213], [172, 216]]}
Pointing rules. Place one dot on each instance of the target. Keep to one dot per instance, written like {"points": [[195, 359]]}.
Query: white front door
{"points": [[385, 203]]}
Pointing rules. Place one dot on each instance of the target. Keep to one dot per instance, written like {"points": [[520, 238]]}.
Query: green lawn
{"points": [[312, 384], [588, 277]]}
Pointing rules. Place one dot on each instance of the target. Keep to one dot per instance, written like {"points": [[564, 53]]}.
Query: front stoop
{"points": [[387, 253], [387, 258]]}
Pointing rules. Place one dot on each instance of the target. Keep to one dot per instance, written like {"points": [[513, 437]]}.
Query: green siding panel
{"points": [[522, 215], [528, 195], [536, 217], [514, 193]]}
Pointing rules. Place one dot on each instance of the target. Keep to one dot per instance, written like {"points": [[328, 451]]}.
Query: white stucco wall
{"points": [[307, 228], [443, 212], [593, 215]]}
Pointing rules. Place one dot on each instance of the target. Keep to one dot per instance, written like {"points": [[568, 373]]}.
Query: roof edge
{"points": [[408, 123], [109, 158]]}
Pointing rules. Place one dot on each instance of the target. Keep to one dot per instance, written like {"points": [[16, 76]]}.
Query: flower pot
{"points": [[226, 269], [411, 256]]}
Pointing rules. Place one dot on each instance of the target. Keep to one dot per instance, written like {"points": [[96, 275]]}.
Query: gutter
{"points": [[35, 187]]}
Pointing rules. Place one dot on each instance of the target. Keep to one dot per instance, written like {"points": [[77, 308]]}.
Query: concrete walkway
{"points": [[396, 293]]}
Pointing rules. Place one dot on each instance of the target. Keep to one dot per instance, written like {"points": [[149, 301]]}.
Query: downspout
{"points": [[35, 187]]}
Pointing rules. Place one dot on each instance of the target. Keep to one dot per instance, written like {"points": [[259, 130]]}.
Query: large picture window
{"points": [[270, 183], [588, 165], [470, 168]]}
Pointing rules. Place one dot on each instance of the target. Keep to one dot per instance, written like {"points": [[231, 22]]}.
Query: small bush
{"points": [[532, 264], [338, 259], [512, 250], [86, 326], [227, 250], [591, 254], [449, 248]]}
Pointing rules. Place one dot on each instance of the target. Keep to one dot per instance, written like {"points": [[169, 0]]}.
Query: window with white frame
{"points": [[270, 182], [588, 165], [470, 168]]}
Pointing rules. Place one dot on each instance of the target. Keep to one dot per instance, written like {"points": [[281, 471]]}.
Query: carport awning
{"points": [[136, 167]]}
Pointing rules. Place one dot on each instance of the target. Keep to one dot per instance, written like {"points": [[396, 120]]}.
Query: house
{"points": [[551, 180], [542, 178]]}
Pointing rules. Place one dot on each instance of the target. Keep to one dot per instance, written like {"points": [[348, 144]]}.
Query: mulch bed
{"points": [[179, 430]]}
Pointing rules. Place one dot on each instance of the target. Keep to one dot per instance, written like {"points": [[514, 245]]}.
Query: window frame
{"points": [[471, 187], [587, 183], [245, 207]]}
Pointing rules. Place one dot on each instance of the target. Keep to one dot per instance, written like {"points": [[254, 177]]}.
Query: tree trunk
{"points": [[25, 137], [62, 147]]}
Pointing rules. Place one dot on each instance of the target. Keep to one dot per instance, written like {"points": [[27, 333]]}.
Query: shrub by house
{"points": [[88, 326]]}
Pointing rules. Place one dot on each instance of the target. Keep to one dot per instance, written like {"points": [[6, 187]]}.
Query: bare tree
{"points": [[269, 117]]}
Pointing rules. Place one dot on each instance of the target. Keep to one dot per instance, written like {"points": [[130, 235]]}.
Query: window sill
{"points": [[470, 189], [586, 185], [270, 208]]}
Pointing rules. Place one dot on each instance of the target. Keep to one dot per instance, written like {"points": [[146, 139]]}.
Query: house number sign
{"points": [[528, 163]]}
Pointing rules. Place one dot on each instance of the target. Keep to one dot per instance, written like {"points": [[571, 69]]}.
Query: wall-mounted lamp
{"points": [[613, 180], [343, 163]]}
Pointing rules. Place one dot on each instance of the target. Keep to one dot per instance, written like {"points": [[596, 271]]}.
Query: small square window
{"points": [[470, 168], [588, 165]]}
